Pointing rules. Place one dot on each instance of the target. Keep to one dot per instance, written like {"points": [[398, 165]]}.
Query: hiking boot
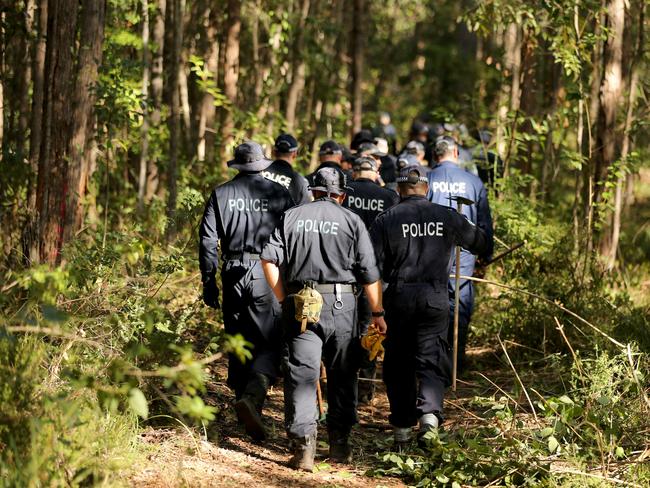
{"points": [[429, 422], [248, 415], [340, 450], [303, 453], [401, 437], [249, 406]]}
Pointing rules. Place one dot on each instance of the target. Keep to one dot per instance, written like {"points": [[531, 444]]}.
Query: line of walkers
{"points": [[311, 265]]}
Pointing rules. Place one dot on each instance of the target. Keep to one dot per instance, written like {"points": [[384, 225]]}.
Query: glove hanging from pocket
{"points": [[308, 303]]}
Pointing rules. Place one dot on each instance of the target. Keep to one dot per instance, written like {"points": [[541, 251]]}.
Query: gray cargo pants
{"points": [[334, 340]]}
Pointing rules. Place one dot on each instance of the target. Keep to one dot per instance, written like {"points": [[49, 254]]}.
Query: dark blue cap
{"points": [[329, 147], [331, 180], [249, 156], [286, 143], [413, 174]]}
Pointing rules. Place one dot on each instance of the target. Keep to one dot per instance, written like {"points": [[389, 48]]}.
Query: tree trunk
{"points": [[610, 94], [174, 119], [357, 48], [89, 59], [297, 84], [612, 246], [509, 95], [207, 110], [52, 188], [158, 38], [30, 232], [144, 130], [230, 78], [25, 78]]}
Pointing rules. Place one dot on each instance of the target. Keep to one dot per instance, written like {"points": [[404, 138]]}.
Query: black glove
{"points": [[211, 293]]}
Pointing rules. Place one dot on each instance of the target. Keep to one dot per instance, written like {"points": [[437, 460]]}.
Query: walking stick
{"points": [[319, 394], [460, 201]]}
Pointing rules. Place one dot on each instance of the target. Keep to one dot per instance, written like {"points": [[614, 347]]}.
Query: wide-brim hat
{"points": [[331, 180], [249, 156]]}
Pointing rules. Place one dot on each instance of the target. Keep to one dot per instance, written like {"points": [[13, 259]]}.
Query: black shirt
{"points": [[282, 173], [241, 214], [322, 242], [369, 199], [413, 241]]}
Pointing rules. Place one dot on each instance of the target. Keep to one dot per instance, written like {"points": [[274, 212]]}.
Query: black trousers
{"points": [[367, 368], [333, 340], [251, 309], [416, 364]]}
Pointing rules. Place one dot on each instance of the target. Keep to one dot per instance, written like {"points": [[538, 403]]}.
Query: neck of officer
{"points": [[330, 159], [321, 194], [418, 190], [448, 158], [365, 175], [287, 157]]}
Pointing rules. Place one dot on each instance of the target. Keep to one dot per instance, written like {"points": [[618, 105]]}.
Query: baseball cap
{"points": [[413, 174], [406, 159], [286, 143], [329, 147], [369, 148], [360, 137], [249, 156], [365, 163], [331, 181], [382, 145], [414, 147]]}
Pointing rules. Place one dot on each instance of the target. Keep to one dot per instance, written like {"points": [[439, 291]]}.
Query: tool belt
{"points": [[308, 301], [241, 256]]}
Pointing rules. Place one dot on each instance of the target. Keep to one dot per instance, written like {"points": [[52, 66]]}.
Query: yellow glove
{"points": [[372, 342]]}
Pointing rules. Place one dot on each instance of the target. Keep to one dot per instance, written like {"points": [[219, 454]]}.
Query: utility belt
{"points": [[241, 256], [308, 300], [331, 288], [399, 283]]}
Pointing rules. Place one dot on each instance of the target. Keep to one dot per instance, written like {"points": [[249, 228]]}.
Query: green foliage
{"points": [[600, 419]]}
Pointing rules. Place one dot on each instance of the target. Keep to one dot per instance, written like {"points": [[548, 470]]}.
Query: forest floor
{"points": [[224, 456]]}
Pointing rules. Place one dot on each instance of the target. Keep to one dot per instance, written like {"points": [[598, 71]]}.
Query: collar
{"points": [[329, 164], [364, 180], [327, 199], [446, 164], [413, 197], [282, 161]]}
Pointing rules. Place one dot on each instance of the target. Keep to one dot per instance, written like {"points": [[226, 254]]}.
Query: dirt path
{"points": [[229, 458]]}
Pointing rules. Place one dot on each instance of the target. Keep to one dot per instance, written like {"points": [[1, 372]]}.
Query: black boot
{"points": [[340, 450], [303, 453], [249, 406]]}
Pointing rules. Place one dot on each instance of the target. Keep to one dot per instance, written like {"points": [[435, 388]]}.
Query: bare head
{"points": [[446, 149]]}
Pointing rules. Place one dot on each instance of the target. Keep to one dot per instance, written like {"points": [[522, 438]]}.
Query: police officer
{"points": [[386, 131], [489, 164], [417, 149], [330, 155], [281, 171], [241, 214], [413, 242], [367, 200], [388, 166], [325, 245], [448, 179]]}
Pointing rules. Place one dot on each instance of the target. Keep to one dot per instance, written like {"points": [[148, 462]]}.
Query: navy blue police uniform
{"points": [[240, 215], [447, 180], [413, 242], [283, 173], [328, 246]]}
